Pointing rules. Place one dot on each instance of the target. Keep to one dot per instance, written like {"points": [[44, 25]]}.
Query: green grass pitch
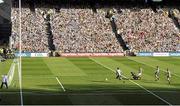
{"points": [[82, 81]]}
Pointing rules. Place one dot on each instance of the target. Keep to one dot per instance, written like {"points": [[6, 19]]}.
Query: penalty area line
{"points": [[60, 84], [134, 83]]}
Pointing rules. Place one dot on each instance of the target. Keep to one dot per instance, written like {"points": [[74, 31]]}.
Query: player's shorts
{"points": [[156, 75], [139, 74], [168, 76]]}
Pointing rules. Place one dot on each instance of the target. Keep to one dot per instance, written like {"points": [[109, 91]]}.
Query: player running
{"points": [[168, 75], [119, 74], [157, 72]]}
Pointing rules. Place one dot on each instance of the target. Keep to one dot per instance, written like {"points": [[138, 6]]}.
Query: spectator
{"points": [[82, 30]]}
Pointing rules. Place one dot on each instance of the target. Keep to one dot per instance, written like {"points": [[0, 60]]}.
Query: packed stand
{"points": [[34, 37], [82, 30], [147, 31]]}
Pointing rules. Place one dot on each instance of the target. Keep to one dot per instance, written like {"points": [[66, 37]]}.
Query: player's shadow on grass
{"points": [[84, 95], [45, 97]]}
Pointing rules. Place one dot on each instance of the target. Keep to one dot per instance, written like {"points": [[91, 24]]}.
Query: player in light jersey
{"points": [[157, 72], [168, 75], [139, 75], [119, 74]]}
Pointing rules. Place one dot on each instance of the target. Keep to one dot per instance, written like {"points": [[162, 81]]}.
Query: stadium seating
{"points": [[147, 31], [34, 37], [82, 30]]}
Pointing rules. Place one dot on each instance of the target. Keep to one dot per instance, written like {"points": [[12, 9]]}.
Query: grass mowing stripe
{"points": [[88, 66], [174, 61], [176, 57], [4, 66], [151, 66], [38, 77], [135, 83], [60, 84], [60, 67], [35, 68]]}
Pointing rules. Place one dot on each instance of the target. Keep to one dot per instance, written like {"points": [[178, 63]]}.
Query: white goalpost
{"points": [[20, 52]]}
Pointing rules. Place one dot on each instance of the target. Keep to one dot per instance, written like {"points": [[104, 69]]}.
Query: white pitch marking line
{"points": [[60, 84], [135, 83]]}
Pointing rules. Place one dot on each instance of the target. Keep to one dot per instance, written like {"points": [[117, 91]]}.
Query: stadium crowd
{"points": [[146, 30], [82, 30], [34, 37]]}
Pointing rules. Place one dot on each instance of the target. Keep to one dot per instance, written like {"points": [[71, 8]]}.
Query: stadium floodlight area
{"points": [[1, 1]]}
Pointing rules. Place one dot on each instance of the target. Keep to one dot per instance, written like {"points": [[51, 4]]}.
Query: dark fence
{"points": [[49, 3]]}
